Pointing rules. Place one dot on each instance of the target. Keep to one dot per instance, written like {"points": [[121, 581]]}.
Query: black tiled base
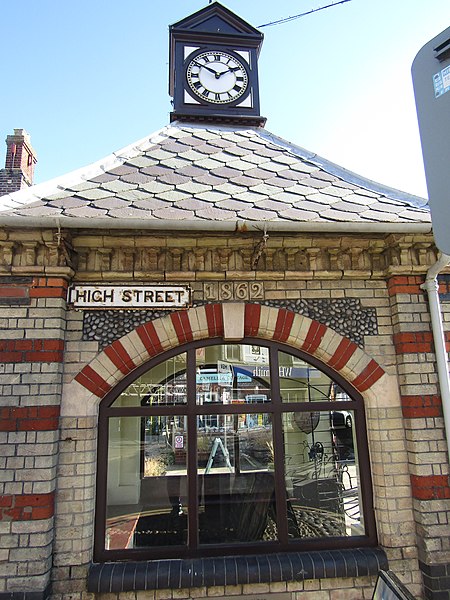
{"points": [[436, 581], [44, 595], [234, 570]]}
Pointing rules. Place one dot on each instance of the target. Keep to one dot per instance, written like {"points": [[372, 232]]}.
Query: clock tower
{"points": [[214, 68]]}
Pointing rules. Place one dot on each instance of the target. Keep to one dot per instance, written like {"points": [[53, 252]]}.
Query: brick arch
{"points": [[212, 321]]}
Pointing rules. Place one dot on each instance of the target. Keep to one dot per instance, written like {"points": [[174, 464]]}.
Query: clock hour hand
{"points": [[230, 69]]}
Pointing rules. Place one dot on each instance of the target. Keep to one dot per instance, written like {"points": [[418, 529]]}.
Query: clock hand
{"points": [[208, 69], [230, 69]]}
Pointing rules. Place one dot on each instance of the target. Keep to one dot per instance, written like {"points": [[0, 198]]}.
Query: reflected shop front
{"points": [[222, 448]]}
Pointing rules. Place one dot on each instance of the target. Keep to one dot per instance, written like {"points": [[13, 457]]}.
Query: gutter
{"points": [[431, 286], [16, 221]]}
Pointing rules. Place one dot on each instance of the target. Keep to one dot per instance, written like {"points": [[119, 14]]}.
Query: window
{"points": [[231, 448]]}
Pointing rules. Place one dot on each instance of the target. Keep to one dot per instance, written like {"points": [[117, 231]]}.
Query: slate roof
{"points": [[214, 177]]}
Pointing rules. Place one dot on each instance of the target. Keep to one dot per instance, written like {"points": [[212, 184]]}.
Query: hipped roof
{"points": [[211, 177]]}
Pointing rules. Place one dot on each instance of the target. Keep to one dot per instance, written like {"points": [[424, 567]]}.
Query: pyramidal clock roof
{"points": [[212, 177]]}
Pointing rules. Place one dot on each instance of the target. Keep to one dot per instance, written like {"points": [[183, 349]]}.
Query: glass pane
{"points": [[233, 373], [236, 479], [146, 482], [162, 385], [322, 477], [300, 382]]}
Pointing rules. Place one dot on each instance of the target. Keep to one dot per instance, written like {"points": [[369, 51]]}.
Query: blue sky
{"points": [[87, 77]]}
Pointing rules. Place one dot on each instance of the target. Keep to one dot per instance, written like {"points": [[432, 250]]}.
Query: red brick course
{"points": [[404, 284], [413, 342], [421, 406], [49, 287], [29, 418], [31, 350], [430, 487], [27, 507], [14, 291]]}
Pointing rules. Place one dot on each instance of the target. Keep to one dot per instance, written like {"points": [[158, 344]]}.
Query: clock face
{"points": [[217, 77]]}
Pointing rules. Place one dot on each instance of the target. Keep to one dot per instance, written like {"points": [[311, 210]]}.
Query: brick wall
{"points": [[423, 423], [48, 457], [32, 319]]}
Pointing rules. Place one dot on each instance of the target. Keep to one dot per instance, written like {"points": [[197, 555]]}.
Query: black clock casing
{"points": [[214, 68]]}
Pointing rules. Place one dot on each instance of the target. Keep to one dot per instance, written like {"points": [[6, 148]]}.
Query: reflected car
{"points": [[341, 418]]}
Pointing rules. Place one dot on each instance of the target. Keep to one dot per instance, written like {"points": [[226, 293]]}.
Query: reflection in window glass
{"points": [[236, 479], [322, 477], [300, 382], [161, 385], [250, 450], [146, 494], [232, 374]]}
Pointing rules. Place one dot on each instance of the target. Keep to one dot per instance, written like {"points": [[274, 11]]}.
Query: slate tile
{"points": [[103, 178], [156, 187], [207, 149], [155, 170], [324, 176], [129, 213], [256, 214], [40, 211], [190, 141], [173, 195], [315, 183], [123, 170], [82, 186], [173, 214], [280, 182], [232, 204], [137, 177], [70, 202], [192, 171], [85, 211], [209, 164], [226, 172], [296, 214], [288, 198], [215, 214], [245, 180], [221, 143], [151, 204], [265, 189], [209, 179], [259, 173], [212, 196], [192, 204], [111, 202], [173, 147], [229, 188], [271, 205], [120, 186], [173, 179]]}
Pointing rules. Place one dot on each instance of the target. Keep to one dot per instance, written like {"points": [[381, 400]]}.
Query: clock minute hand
{"points": [[207, 68]]}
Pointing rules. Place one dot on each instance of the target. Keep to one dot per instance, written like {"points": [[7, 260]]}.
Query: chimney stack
{"points": [[19, 164]]}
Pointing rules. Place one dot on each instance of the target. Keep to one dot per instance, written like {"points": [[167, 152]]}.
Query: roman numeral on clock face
{"points": [[216, 77]]}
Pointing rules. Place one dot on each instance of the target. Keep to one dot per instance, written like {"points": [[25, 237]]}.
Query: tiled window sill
{"points": [[234, 570]]}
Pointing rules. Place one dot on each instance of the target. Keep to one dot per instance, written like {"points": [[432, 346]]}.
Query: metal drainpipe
{"points": [[432, 288]]}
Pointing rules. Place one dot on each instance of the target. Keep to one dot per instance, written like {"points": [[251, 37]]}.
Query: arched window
{"points": [[218, 448]]}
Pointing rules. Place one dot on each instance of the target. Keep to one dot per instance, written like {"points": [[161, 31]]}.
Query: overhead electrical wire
{"points": [[302, 14]]}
